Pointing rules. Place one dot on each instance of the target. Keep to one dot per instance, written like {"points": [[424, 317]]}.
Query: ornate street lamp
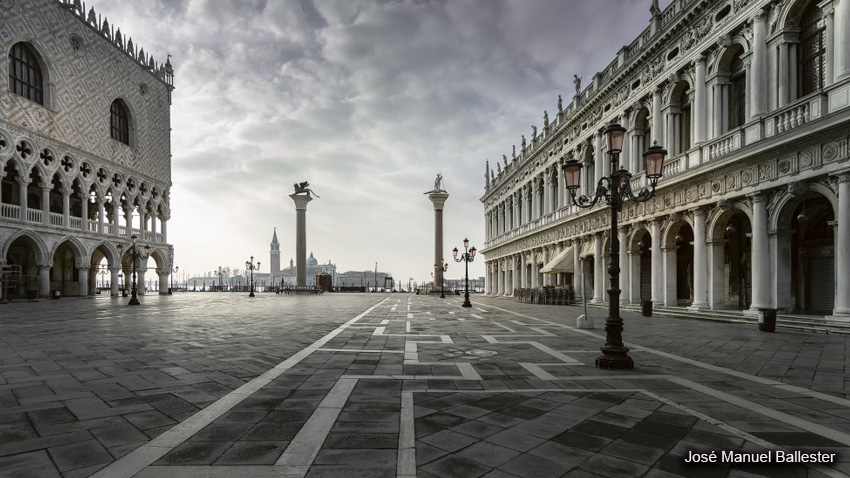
{"points": [[249, 265], [467, 257], [615, 189], [173, 271], [135, 255]]}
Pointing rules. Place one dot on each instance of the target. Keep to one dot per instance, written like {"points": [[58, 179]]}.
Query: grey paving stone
{"points": [[449, 440], [516, 440], [530, 466], [194, 453], [361, 440], [117, 435], [453, 466], [79, 455], [252, 453], [488, 454], [29, 465]]}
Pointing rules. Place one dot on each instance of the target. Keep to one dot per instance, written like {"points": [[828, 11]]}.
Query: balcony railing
{"points": [[34, 215], [13, 211], [56, 219]]}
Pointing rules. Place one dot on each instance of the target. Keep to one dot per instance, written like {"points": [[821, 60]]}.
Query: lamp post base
{"points": [[618, 360], [134, 301], [466, 304]]}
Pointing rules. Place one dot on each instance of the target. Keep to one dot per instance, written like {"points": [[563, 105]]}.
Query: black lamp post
{"points": [[173, 271], [135, 255], [615, 189], [467, 257], [249, 265]]}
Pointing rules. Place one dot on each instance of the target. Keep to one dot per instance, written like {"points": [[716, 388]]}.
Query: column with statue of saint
{"points": [[438, 197]]}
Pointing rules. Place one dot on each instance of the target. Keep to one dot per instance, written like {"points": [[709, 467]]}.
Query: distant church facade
{"points": [[85, 151], [751, 99]]}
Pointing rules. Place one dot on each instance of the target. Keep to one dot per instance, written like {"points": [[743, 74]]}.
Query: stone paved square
{"points": [[369, 385]]}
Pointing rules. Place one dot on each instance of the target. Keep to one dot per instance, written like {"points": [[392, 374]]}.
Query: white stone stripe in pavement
{"points": [[302, 450], [821, 430], [406, 465], [135, 461]]}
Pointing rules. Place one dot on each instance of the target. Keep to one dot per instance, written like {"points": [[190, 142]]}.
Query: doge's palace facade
{"points": [[751, 98], [85, 154]]}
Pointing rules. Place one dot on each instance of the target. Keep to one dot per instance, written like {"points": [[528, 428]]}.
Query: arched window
{"points": [[25, 76], [119, 122], [684, 121], [738, 93], [811, 53]]}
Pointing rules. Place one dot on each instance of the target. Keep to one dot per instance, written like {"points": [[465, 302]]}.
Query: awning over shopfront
{"points": [[562, 262]]}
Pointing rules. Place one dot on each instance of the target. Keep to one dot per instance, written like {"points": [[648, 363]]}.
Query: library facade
{"points": [[751, 100]]}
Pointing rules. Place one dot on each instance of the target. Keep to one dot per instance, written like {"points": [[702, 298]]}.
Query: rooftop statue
{"points": [[654, 8], [577, 82], [304, 188], [438, 185]]}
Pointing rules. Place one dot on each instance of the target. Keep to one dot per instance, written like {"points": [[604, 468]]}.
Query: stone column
{"points": [[44, 278], [438, 199], [153, 226], [625, 277], [163, 281], [23, 185], [535, 198], [699, 266], [140, 278], [83, 280], [301, 201], [116, 218], [657, 120], [164, 230], [84, 212], [577, 269], [842, 246], [598, 269], [625, 154], [718, 107], [600, 168], [45, 205], [670, 277], [113, 280], [128, 220], [699, 109], [634, 280], [508, 278], [842, 40], [828, 15], [758, 67], [100, 215], [657, 264], [547, 193], [783, 92], [760, 265], [66, 207], [515, 260], [716, 278], [534, 269]]}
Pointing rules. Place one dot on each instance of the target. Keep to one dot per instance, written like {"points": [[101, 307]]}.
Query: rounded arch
{"points": [[719, 217], [682, 87], [671, 228], [738, 47], [122, 124], [28, 54], [788, 16], [637, 236], [787, 202], [38, 245]]}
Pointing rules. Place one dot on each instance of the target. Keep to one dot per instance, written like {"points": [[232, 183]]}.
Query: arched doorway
{"points": [[737, 270], [65, 274], [813, 256], [23, 257]]}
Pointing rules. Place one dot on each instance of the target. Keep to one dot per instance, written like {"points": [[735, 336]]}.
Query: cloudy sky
{"points": [[367, 100]]}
